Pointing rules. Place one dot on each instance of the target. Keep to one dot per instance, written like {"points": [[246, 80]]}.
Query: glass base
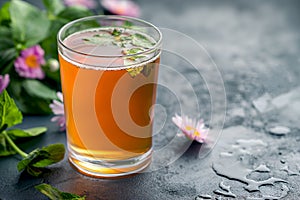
{"points": [[110, 169]]}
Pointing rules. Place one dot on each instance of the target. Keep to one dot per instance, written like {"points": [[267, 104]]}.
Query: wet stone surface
{"points": [[255, 45]]}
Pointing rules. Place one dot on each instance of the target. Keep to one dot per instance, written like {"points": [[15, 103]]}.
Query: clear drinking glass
{"points": [[109, 69]]}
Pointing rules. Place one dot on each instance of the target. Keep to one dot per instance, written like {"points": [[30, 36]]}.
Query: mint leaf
{"points": [[40, 158], [32, 132], [132, 51], [56, 153], [4, 14], [9, 112], [99, 39], [133, 72], [54, 6], [37, 89], [5, 148], [140, 40], [72, 13], [127, 24], [29, 24], [116, 32], [28, 103], [54, 194]]}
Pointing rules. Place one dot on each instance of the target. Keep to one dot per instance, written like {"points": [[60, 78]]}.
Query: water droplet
{"points": [[279, 130], [289, 172], [282, 161], [262, 168], [203, 196], [226, 190]]}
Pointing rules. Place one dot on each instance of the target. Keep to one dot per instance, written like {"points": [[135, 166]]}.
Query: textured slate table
{"points": [[255, 46]]}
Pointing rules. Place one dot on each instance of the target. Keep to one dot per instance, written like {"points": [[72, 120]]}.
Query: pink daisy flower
{"points": [[84, 3], [57, 107], [4, 81], [191, 128], [28, 64], [121, 7]]}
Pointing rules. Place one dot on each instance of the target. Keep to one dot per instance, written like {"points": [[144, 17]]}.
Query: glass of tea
{"points": [[109, 70]]}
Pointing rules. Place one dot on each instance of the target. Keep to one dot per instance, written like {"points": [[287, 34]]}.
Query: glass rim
{"points": [[148, 50]]}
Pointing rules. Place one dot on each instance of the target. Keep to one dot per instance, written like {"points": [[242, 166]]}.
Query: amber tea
{"points": [[109, 76]]}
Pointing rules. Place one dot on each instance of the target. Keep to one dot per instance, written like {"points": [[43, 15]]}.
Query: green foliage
{"points": [[26, 133], [40, 158], [54, 194], [5, 148], [23, 25], [9, 112], [140, 40], [35, 161], [54, 6], [29, 24]]}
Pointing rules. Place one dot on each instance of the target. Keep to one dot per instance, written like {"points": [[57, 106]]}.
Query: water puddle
{"points": [[234, 170], [289, 172], [262, 168], [231, 165], [225, 190]]}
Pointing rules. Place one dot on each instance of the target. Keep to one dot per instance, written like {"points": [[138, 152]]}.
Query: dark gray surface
{"points": [[255, 45]]}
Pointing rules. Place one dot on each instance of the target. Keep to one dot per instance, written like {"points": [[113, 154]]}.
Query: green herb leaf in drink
{"points": [[140, 40], [116, 32]]}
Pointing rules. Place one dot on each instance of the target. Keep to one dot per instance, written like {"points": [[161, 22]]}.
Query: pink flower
{"points": [[28, 64], [84, 3], [57, 108], [4, 81], [121, 7], [191, 128]]}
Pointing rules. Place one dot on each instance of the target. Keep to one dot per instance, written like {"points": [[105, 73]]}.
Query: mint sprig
{"points": [[35, 161], [23, 25], [55, 194]]}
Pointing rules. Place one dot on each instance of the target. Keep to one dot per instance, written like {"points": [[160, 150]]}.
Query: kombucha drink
{"points": [[109, 88]]}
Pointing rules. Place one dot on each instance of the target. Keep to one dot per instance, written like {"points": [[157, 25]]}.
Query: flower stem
{"points": [[14, 146]]}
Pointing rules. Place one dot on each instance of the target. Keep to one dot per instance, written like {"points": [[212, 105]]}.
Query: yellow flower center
{"points": [[31, 61], [195, 133]]}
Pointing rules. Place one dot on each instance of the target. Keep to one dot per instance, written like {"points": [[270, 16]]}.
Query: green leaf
{"points": [[29, 24], [54, 194], [134, 71], [9, 112], [7, 43], [40, 158], [132, 51], [72, 13], [32, 132], [127, 24], [99, 39], [26, 103], [50, 43], [4, 14], [54, 6], [5, 148], [56, 153], [36, 88], [116, 32], [140, 40]]}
